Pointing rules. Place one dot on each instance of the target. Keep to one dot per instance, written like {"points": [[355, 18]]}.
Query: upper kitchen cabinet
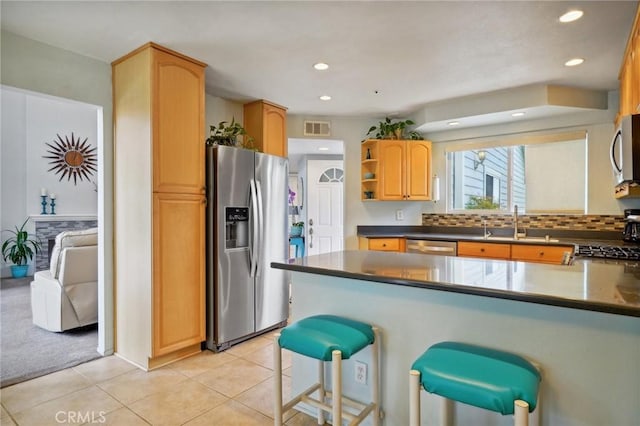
{"points": [[630, 73], [266, 123], [178, 119], [159, 205], [403, 170]]}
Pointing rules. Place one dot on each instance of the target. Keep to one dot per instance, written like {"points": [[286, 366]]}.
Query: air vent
{"points": [[317, 128]]}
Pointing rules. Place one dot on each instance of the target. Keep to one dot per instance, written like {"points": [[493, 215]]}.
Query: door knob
{"points": [[310, 222]]}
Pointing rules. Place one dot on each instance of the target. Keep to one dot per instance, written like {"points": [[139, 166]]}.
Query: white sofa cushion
{"points": [[85, 237]]}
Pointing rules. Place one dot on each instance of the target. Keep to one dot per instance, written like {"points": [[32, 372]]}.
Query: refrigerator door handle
{"points": [[255, 230], [259, 255]]}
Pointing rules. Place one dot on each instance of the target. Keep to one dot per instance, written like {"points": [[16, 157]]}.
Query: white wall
{"points": [[31, 121]]}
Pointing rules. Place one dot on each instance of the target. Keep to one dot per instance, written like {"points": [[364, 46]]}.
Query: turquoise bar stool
{"points": [[486, 378], [298, 242], [328, 338]]}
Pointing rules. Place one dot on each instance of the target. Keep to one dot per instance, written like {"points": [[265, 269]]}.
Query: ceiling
{"points": [[386, 57]]}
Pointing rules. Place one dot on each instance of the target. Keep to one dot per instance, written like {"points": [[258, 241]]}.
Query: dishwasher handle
{"points": [[426, 248]]}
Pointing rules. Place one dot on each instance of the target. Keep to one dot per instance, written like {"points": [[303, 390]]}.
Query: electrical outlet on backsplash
{"points": [[614, 223]]}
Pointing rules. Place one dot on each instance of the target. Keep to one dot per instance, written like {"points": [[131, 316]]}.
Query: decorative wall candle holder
{"points": [[44, 204]]}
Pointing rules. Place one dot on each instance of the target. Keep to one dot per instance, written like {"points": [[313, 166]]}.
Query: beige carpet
{"points": [[27, 351]]}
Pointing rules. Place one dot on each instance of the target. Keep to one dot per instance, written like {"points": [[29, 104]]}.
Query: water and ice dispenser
{"points": [[236, 227]]}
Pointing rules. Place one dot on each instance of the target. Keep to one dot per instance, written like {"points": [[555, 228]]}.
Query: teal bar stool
{"points": [[486, 378], [298, 242], [328, 338]]}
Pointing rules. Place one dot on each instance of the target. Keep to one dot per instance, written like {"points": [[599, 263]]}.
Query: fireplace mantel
{"points": [[61, 217]]}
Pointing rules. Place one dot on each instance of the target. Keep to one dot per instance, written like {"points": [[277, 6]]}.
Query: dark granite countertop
{"points": [[610, 286]]}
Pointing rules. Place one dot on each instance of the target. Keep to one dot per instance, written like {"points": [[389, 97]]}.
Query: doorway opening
{"points": [[316, 175]]}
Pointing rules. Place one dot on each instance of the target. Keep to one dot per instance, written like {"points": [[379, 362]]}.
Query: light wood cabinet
{"points": [[630, 73], [159, 205], [402, 170], [266, 123], [382, 244], [488, 250], [522, 252], [178, 259], [540, 253]]}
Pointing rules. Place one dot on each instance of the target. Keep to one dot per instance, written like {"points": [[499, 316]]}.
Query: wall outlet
{"points": [[399, 214], [361, 372]]}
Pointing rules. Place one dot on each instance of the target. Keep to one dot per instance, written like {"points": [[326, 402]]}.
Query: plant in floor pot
{"points": [[19, 248]]}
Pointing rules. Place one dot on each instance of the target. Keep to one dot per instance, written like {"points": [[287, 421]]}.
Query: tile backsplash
{"points": [[591, 222]]}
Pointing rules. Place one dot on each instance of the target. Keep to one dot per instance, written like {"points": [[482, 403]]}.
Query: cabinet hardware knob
{"points": [[482, 250], [541, 253], [384, 245]]}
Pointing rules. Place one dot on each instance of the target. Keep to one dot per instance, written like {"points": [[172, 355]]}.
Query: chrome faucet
{"points": [[515, 222]]}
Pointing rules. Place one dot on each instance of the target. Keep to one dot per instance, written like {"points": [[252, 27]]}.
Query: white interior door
{"points": [[324, 228]]}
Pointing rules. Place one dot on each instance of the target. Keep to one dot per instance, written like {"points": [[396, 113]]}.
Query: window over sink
{"points": [[538, 173]]}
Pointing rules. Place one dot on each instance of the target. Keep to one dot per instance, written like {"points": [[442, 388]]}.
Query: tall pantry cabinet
{"points": [[159, 205]]}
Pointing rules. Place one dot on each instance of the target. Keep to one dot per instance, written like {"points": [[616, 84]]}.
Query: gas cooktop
{"points": [[609, 252]]}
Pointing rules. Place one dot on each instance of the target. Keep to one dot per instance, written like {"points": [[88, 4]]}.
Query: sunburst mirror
{"points": [[72, 158]]}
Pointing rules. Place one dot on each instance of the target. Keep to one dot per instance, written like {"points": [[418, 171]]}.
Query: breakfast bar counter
{"points": [[580, 322]]}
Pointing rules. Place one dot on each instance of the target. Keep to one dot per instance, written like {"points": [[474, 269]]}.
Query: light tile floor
{"points": [[232, 388]]}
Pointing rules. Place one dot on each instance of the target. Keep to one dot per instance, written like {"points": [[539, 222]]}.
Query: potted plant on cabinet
{"points": [[20, 248], [394, 130], [227, 135], [296, 229]]}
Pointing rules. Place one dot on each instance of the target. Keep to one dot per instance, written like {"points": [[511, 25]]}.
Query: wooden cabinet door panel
{"points": [[539, 253], [392, 169], [489, 250], [178, 272], [418, 172], [386, 244], [178, 124], [275, 131]]}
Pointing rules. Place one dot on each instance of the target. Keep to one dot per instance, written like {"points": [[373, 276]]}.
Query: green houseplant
{"points": [[388, 129], [224, 134], [19, 248], [296, 229]]}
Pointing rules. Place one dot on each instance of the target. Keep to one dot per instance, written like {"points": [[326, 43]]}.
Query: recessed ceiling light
{"points": [[572, 15], [321, 66], [573, 62], [323, 148], [325, 98], [453, 123], [517, 114]]}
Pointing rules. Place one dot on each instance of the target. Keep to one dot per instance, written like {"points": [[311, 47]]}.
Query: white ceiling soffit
{"points": [[535, 101]]}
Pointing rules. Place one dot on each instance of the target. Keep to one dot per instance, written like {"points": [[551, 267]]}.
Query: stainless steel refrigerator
{"points": [[246, 231]]}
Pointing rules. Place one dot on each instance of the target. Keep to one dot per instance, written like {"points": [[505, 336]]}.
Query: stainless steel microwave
{"points": [[625, 150]]}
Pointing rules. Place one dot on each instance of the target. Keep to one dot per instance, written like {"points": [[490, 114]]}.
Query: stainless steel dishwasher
{"points": [[445, 248]]}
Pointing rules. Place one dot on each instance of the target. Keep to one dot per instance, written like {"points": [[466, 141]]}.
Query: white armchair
{"points": [[66, 295]]}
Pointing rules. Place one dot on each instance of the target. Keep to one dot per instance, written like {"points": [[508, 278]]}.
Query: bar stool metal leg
{"points": [[375, 376], [336, 385], [521, 413], [277, 371], [322, 393], [414, 398]]}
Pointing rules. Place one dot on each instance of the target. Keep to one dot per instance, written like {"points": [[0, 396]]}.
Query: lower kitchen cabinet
{"points": [[540, 253], [382, 244], [522, 252], [178, 272], [488, 250]]}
